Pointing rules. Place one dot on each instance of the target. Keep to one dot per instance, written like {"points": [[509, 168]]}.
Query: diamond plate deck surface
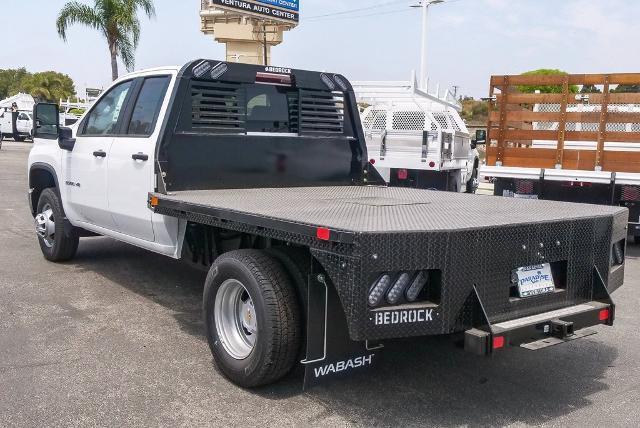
{"points": [[381, 209]]}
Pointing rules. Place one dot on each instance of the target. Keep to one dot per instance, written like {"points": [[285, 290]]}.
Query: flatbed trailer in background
{"points": [[566, 145]]}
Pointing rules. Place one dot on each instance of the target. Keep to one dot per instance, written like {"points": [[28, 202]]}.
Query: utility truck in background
{"points": [[417, 139], [261, 176], [16, 124], [567, 146]]}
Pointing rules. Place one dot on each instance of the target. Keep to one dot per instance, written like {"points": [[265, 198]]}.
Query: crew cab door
{"points": [[84, 169], [131, 173], [23, 123]]}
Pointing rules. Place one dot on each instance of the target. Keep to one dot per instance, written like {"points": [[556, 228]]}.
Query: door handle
{"points": [[100, 154], [140, 157]]}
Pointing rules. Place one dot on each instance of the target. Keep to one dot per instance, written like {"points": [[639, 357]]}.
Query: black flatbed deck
{"points": [[372, 209]]}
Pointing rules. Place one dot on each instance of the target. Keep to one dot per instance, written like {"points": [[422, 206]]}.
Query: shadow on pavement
{"points": [[419, 382]]}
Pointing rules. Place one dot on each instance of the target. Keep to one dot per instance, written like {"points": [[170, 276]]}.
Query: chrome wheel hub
{"points": [[235, 318], [46, 226]]}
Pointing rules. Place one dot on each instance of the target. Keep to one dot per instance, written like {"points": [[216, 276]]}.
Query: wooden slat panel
{"points": [[523, 157], [621, 161], [574, 79], [583, 117], [573, 159], [630, 98], [523, 134]]}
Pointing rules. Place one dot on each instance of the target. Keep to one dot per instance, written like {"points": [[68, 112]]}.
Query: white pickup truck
{"points": [[24, 125], [261, 176]]}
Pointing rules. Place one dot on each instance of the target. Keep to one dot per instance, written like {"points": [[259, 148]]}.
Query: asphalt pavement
{"points": [[115, 338]]}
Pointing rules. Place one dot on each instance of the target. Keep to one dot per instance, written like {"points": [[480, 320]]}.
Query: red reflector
{"points": [[323, 234], [402, 174], [498, 342], [372, 161], [274, 79], [432, 164], [604, 315]]}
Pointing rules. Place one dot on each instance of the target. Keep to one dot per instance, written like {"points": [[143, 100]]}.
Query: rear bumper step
{"points": [[542, 330]]}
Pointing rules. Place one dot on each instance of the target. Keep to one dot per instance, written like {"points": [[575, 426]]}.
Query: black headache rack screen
{"points": [[241, 126]]}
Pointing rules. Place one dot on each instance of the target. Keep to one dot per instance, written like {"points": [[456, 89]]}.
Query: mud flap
{"points": [[331, 353]]}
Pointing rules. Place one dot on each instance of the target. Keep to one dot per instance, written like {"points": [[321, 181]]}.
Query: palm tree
{"points": [[118, 22]]}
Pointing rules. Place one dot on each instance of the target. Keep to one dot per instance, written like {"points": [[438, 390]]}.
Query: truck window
{"points": [[23, 116], [240, 108], [147, 107], [268, 109], [103, 118]]}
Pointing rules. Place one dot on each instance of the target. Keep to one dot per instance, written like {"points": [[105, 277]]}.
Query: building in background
{"points": [[249, 28]]}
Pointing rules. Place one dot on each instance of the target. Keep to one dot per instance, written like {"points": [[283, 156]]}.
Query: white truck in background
{"points": [[23, 103], [416, 139]]}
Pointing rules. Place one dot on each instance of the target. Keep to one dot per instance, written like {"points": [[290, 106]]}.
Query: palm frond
{"points": [[76, 12], [127, 53]]}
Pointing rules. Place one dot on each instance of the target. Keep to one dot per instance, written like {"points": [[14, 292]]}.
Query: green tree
{"points": [[545, 89], [590, 89], [11, 81], [625, 89], [474, 111], [118, 22], [48, 86]]}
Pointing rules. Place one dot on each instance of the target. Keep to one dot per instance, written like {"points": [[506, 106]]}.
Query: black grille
{"points": [[321, 112], [217, 107]]}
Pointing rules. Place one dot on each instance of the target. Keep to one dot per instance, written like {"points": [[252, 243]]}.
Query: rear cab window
{"points": [[147, 106]]}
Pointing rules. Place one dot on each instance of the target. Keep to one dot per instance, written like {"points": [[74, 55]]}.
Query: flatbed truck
{"points": [[261, 176]]}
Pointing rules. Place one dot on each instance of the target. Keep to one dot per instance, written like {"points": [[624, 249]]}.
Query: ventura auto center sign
{"points": [[278, 10]]}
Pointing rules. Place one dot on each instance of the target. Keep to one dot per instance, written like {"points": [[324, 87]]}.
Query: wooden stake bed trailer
{"points": [[568, 146]]}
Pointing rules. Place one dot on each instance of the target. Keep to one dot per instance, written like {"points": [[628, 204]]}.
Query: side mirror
{"points": [[481, 137], [46, 121], [66, 140]]}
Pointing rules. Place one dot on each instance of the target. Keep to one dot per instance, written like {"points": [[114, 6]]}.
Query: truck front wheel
{"points": [[56, 244], [252, 318]]}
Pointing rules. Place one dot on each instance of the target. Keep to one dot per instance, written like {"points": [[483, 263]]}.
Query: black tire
{"points": [[19, 139], [64, 246], [472, 184], [297, 263], [277, 314], [636, 239]]}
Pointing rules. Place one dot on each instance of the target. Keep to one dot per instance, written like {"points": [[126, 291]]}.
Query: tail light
{"points": [[379, 289], [604, 315], [524, 187], [631, 193], [397, 291], [274, 79]]}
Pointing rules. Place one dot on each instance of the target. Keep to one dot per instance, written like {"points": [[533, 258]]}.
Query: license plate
{"points": [[534, 280]]}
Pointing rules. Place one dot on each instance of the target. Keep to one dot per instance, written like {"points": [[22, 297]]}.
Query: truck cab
{"points": [[106, 169]]}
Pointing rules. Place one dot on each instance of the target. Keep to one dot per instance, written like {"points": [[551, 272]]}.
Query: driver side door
{"points": [[85, 168]]}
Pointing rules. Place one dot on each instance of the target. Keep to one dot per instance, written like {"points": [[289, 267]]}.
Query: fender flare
{"points": [[33, 202]]}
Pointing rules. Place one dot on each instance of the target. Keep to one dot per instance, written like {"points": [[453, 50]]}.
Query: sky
{"points": [[469, 40]]}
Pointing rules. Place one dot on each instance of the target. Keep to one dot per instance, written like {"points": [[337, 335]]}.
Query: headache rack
{"points": [[587, 122]]}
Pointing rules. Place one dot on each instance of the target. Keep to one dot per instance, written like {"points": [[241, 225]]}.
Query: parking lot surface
{"points": [[115, 338]]}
